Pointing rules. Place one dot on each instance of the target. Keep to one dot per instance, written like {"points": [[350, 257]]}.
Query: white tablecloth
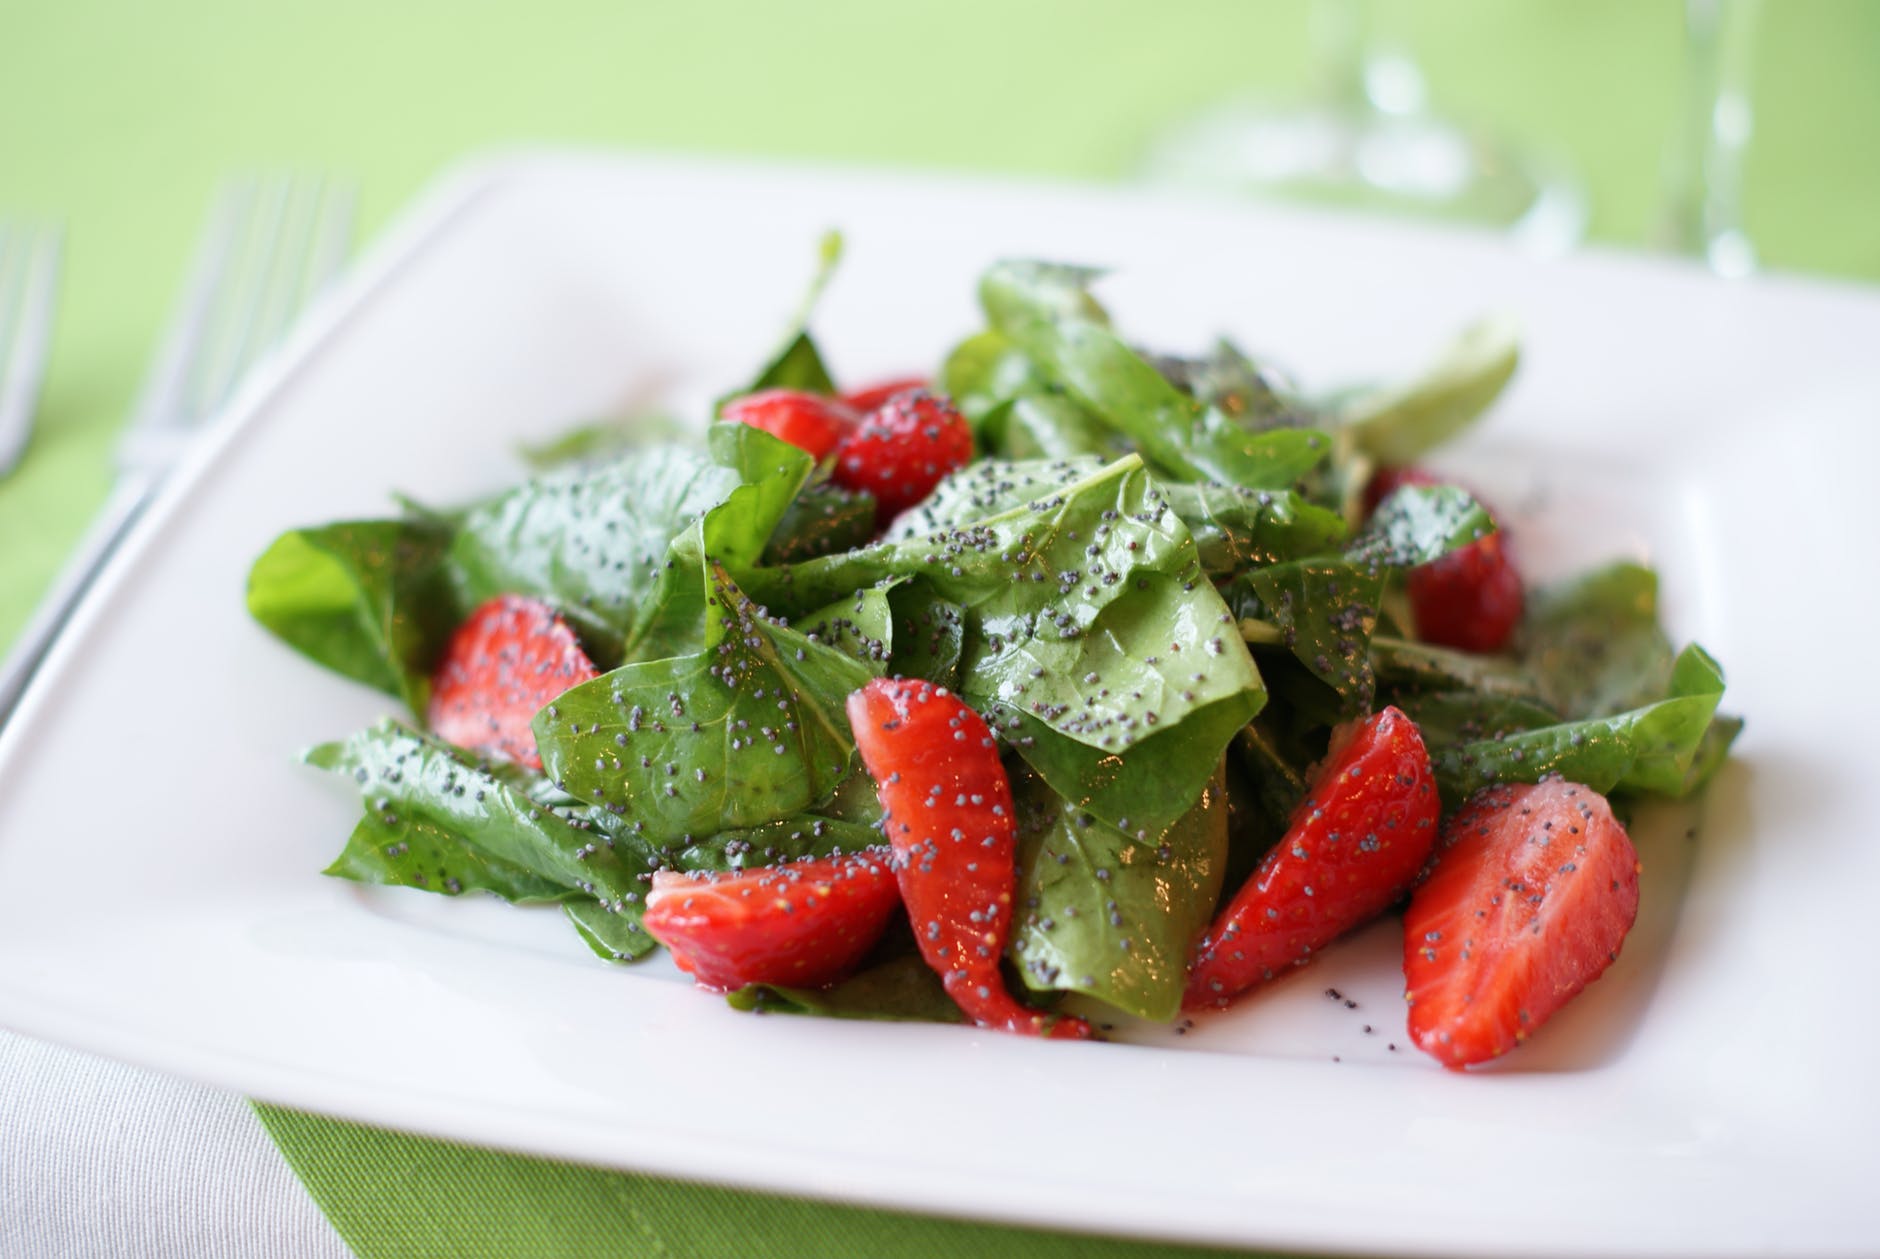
{"points": [[101, 1159]]}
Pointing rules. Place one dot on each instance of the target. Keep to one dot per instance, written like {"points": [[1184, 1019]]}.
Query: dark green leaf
{"points": [[929, 634], [401, 850], [860, 626], [1651, 749], [613, 933], [822, 519], [1594, 644], [901, 989], [797, 364], [406, 777], [367, 599], [1404, 665], [1326, 610], [1237, 528], [1114, 914], [1420, 523], [1228, 380], [748, 730], [1046, 311]]}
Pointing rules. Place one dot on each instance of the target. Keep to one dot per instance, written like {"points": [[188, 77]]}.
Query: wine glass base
{"points": [[1366, 159]]}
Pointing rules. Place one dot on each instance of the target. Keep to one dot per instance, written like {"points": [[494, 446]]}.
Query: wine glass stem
{"points": [[1705, 203]]}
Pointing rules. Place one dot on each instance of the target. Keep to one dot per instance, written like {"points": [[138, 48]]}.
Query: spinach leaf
{"points": [[1236, 528], [1087, 609], [929, 634], [596, 542], [1047, 312], [986, 371], [1325, 610], [404, 851], [431, 793], [1449, 717], [901, 989], [1653, 748], [746, 731], [1404, 665], [1048, 426], [1144, 788], [987, 488], [821, 520], [1396, 426], [367, 599], [613, 932], [1110, 913], [1226, 378], [1594, 645], [1420, 523], [860, 625]]}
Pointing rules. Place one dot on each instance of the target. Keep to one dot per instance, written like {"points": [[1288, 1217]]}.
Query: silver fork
{"points": [[270, 244], [29, 278]]}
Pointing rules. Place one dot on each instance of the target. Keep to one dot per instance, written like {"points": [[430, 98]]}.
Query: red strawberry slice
{"points": [[1470, 599], [1532, 892], [1353, 846], [904, 448], [502, 666], [807, 421], [803, 924], [862, 401], [951, 827]]}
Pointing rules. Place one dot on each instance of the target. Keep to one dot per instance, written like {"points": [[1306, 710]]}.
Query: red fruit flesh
{"points": [[502, 666], [1354, 845], [951, 827], [807, 421], [802, 925], [862, 401], [1470, 599], [1532, 892], [904, 448]]}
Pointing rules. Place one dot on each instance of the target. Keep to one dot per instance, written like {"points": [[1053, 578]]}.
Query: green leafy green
{"points": [[1236, 528], [901, 989], [435, 796], [748, 730], [1400, 424], [822, 519], [1418, 524], [367, 599], [614, 932], [1110, 913], [1651, 748], [405, 851], [1325, 611], [1047, 312], [1594, 645]]}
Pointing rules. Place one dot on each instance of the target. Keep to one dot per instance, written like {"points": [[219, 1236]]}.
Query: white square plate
{"points": [[159, 847]]}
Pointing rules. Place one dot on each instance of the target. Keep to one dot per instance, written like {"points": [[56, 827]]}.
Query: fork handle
{"points": [[101, 541]]}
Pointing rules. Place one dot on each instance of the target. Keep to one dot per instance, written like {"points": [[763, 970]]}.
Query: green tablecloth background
{"points": [[117, 119]]}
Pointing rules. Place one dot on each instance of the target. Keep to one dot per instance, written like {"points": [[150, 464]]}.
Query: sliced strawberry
{"points": [[862, 401], [807, 421], [1354, 845], [951, 827], [903, 448], [803, 924], [502, 666], [1470, 599], [1531, 894]]}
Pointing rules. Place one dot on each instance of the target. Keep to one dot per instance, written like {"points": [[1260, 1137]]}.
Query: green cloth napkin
{"points": [[393, 1196], [118, 120]]}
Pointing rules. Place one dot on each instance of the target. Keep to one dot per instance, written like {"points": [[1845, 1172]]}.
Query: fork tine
{"points": [[238, 302], [296, 243], [29, 274], [161, 403]]}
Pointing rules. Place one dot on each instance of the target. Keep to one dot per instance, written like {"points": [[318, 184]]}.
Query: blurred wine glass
{"points": [[1703, 213], [1367, 138]]}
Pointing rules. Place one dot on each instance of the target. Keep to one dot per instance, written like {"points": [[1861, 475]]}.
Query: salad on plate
{"points": [[1072, 670]]}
